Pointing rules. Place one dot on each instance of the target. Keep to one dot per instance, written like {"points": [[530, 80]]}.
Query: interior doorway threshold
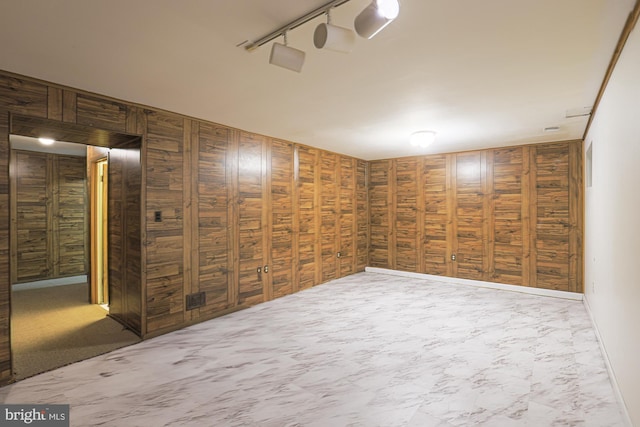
{"points": [[49, 283]]}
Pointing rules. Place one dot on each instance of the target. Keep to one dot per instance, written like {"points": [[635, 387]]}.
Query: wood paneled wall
{"points": [[49, 216], [229, 203], [510, 215]]}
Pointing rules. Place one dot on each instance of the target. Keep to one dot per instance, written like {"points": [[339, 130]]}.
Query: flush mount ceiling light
{"points": [[375, 17], [423, 138], [338, 39], [286, 57], [46, 141]]}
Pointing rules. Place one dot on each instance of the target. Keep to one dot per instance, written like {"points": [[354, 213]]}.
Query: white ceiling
{"points": [[482, 73]]}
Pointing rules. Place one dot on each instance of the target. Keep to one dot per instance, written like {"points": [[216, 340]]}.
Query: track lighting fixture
{"points": [[286, 57], [375, 17], [338, 39], [368, 23]]}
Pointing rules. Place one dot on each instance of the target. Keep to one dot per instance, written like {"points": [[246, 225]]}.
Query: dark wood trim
{"points": [[629, 25]]}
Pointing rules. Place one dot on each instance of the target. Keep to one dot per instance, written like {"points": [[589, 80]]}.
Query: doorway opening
{"points": [[64, 265]]}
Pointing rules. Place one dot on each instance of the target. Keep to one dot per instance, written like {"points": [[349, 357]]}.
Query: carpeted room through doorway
{"points": [[55, 326]]}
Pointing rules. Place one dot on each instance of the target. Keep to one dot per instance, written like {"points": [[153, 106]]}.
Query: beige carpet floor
{"points": [[55, 326]]}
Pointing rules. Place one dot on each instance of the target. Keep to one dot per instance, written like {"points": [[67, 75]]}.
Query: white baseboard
{"points": [[49, 283], [607, 362], [480, 284]]}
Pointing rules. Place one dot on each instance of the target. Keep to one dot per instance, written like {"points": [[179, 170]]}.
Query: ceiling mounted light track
{"points": [[375, 17], [368, 23], [294, 24]]}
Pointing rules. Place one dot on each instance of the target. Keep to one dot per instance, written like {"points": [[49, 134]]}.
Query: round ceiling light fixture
{"points": [[423, 138]]}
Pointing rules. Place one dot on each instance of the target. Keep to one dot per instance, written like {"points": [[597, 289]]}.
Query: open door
{"points": [[99, 233]]}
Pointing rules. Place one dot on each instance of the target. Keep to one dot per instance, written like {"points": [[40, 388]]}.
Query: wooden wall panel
{"points": [[72, 216], [32, 233], [251, 224], [131, 218], [406, 214], [552, 220], [164, 188], [213, 225], [116, 238], [379, 211], [510, 215], [50, 216], [23, 96], [508, 228], [434, 171], [125, 244], [309, 257], [101, 113], [329, 206], [283, 258], [5, 251], [348, 205], [469, 216], [362, 214]]}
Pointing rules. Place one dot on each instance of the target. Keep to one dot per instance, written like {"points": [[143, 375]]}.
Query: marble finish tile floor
{"points": [[366, 350]]}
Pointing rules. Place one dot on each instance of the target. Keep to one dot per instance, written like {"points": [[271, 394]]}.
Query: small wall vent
{"points": [[199, 299]]}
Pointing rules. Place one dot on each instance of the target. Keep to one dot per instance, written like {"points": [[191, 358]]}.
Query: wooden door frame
{"points": [[94, 183]]}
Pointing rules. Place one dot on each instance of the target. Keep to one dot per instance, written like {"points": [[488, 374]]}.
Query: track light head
{"points": [[338, 39], [287, 57], [375, 17]]}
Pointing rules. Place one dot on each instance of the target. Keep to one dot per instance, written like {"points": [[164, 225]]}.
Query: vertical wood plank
{"points": [[328, 188], [54, 103], [187, 203], [267, 218], [5, 267], [437, 232], [282, 245], [379, 221], [576, 213], [308, 218], [348, 211], [52, 228], [142, 130], [363, 217], [420, 216], [317, 203], [488, 217], [553, 216], [392, 215], [194, 177], [69, 106], [251, 227], [452, 218], [211, 216], [526, 216], [13, 217], [234, 237], [406, 221], [533, 216], [295, 243]]}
